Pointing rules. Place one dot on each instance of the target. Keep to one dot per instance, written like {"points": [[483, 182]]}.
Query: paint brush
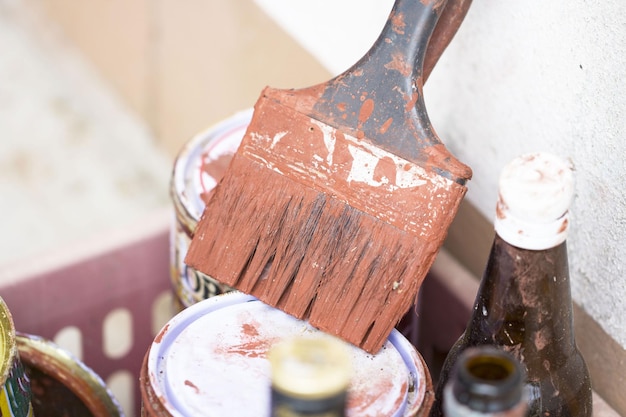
{"points": [[341, 194]]}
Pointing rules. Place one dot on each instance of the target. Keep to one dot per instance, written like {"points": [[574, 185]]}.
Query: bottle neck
{"points": [[454, 408], [486, 381], [525, 299]]}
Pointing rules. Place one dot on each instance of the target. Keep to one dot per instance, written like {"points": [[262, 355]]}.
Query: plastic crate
{"points": [[106, 298], [103, 300]]}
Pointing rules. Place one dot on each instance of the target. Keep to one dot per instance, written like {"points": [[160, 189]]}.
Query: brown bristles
{"points": [[341, 194], [346, 272], [299, 246]]}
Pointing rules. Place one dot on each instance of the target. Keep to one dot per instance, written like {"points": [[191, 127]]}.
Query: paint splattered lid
{"points": [[211, 359]]}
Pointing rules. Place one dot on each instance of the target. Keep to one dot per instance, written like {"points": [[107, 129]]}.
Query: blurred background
{"points": [[98, 96]]}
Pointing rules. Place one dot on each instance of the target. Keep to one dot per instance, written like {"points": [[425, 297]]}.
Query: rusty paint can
{"points": [[16, 394], [61, 384], [211, 359], [197, 169]]}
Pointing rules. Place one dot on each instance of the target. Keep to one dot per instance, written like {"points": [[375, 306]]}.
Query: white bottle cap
{"points": [[536, 191]]}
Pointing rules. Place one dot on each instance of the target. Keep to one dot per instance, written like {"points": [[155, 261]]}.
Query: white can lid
{"points": [[211, 360], [535, 193], [201, 163]]}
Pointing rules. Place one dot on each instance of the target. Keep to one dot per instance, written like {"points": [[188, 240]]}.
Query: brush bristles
{"points": [[325, 226], [310, 255]]}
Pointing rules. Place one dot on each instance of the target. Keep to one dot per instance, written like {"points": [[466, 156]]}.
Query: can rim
{"points": [[414, 399], [63, 366], [7, 333], [189, 206]]}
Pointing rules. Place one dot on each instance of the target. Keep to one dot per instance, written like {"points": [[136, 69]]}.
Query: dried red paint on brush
{"points": [[340, 195]]}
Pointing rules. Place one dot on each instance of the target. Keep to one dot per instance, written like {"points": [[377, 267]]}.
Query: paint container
{"points": [[63, 386], [16, 394], [197, 169], [211, 360]]}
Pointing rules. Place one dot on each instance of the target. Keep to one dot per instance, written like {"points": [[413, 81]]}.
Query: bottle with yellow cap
{"points": [[524, 303], [310, 377]]}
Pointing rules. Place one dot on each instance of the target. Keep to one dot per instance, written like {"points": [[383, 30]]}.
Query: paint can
{"points": [[16, 394], [197, 169], [62, 385], [211, 359]]}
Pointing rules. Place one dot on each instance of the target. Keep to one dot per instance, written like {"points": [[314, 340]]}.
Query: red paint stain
{"points": [[215, 168], [252, 349], [341, 153], [399, 64], [162, 333], [252, 343], [501, 208], [366, 110], [249, 329], [397, 21], [363, 403], [411, 103], [313, 144], [385, 168], [386, 125], [188, 383]]}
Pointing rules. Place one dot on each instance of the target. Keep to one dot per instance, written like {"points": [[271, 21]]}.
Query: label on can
{"points": [[197, 170], [211, 359], [190, 284], [16, 394], [15, 398]]}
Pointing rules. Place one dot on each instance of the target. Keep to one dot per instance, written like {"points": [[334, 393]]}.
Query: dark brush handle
{"points": [[380, 97], [447, 26]]}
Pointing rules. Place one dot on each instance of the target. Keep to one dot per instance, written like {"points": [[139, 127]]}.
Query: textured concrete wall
{"points": [[520, 77]]}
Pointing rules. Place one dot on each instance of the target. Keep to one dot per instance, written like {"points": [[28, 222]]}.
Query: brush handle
{"points": [[447, 26], [381, 98]]}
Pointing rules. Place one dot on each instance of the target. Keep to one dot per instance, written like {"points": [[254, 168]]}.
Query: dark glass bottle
{"points": [[524, 302], [310, 377], [486, 382]]}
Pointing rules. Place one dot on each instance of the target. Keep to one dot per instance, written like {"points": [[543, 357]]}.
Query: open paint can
{"points": [[62, 385], [198, 168], [211, 360]]}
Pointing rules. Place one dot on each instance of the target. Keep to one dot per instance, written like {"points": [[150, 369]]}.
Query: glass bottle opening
{"points": [[488, 380]]}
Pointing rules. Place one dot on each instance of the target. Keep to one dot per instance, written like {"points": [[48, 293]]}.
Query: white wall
{"points": [[519, 77]]}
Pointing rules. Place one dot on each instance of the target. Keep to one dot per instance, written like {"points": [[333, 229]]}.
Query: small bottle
{"points": [[485, 382], [524, 301], [310, 377]]}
